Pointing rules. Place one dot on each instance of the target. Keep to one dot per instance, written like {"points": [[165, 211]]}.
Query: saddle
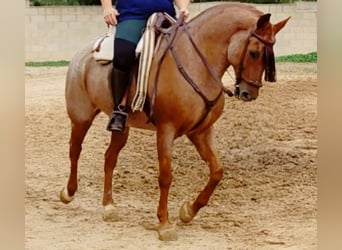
{"points": [[103, 51]]}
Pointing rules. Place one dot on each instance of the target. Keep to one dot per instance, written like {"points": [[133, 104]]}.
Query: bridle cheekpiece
{"points": [[269, 60]]}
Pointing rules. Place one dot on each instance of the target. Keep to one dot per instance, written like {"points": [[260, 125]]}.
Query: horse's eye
{"points": [[254, 54]]}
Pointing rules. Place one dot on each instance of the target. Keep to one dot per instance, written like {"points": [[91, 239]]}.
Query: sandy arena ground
{"points": [[266, 200]]}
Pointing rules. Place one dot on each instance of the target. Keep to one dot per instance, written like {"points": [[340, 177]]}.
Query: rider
{"points": [[130, 18]]}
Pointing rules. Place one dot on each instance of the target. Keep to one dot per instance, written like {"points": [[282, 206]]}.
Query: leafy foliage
{"points": [[310, 57], [47, 64]]}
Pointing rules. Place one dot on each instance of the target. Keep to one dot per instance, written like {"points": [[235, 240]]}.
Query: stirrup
{"points": [[117, 121]]}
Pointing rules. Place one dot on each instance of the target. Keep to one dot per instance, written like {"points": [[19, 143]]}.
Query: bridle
{"points": [[269, 62], [170, 36]]}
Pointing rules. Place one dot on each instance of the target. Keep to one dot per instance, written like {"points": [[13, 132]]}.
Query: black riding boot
{"points": [[119, 83]]}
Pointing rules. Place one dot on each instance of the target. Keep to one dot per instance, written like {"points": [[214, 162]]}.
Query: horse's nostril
{"points": [[244, 95]]}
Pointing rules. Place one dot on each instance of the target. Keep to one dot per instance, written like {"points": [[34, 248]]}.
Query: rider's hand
{"points": [[110, 15], [184, 11]]}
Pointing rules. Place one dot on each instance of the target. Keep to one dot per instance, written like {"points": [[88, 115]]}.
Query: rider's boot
{"points": [[119, 83]]}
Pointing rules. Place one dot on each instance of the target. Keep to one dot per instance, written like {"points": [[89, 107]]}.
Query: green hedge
{"points": [[298, 58], [98, 2]]}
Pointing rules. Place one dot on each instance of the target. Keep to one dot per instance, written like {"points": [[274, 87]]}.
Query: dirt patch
{"points": [[266, 200]]}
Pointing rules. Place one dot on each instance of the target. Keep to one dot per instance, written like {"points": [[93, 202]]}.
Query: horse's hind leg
{"points": [[117, 142], [203, 144], [78, 132]]}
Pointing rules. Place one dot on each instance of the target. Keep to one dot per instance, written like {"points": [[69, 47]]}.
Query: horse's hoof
{"points": [[167, 233], [110, 214], [64, 196], [185, 213]]}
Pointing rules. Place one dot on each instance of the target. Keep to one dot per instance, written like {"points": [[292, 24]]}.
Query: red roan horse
{"points": [[183, 100]]}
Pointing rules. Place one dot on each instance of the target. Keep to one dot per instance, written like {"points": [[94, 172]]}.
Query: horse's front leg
{"points": [[117, 142], [165, 138], [203, 144]]}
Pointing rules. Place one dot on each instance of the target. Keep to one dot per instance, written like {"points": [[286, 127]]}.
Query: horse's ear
{"points": [[280, 25], [263, 20]]}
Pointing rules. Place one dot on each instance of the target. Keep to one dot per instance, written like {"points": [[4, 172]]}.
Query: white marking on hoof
{"points": [[185, 213], [64, 196], [110, 213], [167, 233]]}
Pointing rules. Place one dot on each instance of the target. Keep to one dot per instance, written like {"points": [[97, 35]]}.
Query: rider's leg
{"points": [[127, 37], [122, 63]]}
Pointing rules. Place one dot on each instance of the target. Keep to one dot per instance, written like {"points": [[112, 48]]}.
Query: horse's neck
{"points": [[213, 30], [226, 18]]}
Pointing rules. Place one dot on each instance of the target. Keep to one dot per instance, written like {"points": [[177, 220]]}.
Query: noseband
{"points": [[268, 59]]}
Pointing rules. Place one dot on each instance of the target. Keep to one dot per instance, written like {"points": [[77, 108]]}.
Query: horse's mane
{"points": [[238, 13]]}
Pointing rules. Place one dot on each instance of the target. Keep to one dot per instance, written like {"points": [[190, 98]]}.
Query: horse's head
{"points": [[251, 54]]}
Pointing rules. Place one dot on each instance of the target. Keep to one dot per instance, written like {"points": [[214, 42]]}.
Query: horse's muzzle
{"points": [[246, 96], [247, 91]]}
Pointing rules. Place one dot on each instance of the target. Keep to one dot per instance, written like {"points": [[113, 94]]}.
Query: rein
{"points": [[205, 62], [170, 36]]}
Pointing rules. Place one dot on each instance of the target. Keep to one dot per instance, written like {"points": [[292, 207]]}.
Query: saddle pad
{"points": [[103, 48], [146, 47]]}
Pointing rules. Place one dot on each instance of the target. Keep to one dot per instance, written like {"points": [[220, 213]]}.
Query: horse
{"points": [[184, 97]]}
